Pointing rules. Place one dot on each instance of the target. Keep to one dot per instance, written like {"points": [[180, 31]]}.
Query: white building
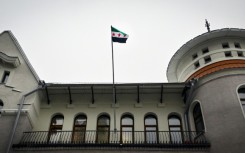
{"points": [[201, 109]]}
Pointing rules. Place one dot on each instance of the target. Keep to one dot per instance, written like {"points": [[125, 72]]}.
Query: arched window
{"points": [[55, 128], [241, 93], [127, 129], [151, 129], [103, 129], [175, 128], [198, 120], [79, 129]]}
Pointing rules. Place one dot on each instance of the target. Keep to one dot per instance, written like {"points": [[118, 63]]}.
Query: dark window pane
{"points": [[102, 134], [5, 77], [80, 120], [55, 128], [197, 114], [103, 120], [237, 45], [225, 45]]}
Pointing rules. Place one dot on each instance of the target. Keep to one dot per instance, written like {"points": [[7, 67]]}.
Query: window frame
{"points": [[240, 54], [103, 126], [175, 116], [207, 59], [194, 56], [127, 126], [242, 100], [225, 45], [53, 129], [150, 126], [228, 54], [198, 118], [83, 132], [5, 77], [237, 45], [197, 64], [205, 50]]}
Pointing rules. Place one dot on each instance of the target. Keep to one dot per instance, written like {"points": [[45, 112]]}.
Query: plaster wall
{"points": [[103, 104], [8, 120], [222, 111]]}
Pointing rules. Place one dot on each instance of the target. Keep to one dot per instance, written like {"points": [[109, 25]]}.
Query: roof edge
{"points": [[22, 53]]}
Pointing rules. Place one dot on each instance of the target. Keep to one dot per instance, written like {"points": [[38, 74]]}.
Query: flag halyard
{"points": [[118, 36]]}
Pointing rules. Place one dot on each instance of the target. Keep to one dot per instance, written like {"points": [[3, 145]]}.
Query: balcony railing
{"points": [[112, 139]]}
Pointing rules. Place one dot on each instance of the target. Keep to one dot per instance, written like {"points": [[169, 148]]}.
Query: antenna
{"points": [[207, 24]]}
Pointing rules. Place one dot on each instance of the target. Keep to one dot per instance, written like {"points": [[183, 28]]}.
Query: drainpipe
{"points": [[192, 83], [18, 114]]}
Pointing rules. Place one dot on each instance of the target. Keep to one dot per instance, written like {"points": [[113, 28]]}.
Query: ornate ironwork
{"points": [[91, 139]]}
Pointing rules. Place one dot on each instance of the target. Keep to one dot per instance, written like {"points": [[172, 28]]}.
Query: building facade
{"points": [[201, 109]]}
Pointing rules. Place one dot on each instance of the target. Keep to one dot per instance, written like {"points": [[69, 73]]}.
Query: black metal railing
{"points": [[83, 139]]}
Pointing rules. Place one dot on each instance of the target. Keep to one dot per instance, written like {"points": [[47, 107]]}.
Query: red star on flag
{"points": [[113, 34], [119, 35]]}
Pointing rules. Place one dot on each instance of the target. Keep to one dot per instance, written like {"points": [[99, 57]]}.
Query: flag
{"points": [[118, 36]]}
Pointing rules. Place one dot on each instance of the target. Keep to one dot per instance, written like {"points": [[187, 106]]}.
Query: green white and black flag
{"points": [[118, 36]]}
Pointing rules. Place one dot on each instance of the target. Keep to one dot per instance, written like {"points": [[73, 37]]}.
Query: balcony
{"points": [[113, 139]]}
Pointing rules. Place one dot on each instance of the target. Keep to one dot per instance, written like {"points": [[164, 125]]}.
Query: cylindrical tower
{"points": [[207, 53], [216, 103]]}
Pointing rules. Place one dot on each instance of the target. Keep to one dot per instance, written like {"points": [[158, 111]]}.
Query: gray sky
{"points": [[70, 40]]}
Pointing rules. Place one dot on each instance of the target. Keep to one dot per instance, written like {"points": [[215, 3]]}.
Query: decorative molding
{"points": [[92, 105], [71, 106], [11, 60], [115, 105], [138, 105], [46, 106], [161, 105]]}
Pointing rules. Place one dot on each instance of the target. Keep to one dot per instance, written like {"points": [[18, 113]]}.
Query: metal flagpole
{"points": [[113, 85]]}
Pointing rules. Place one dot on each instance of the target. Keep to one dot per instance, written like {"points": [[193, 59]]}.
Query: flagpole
{"points": [[113, 85]]}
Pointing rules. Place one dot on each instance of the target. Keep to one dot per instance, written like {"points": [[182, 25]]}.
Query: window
{"points": [[207, 59], [237, 45], [103, 129], [241, 93], [240, 54], [225, 45], [175, 128], [197, 65], [228, 54], [79, 129], [55, 128], [5, 77], [198, 120], [194, 56], [205, 50], [1, 105], [151, 129], [127, 129]]}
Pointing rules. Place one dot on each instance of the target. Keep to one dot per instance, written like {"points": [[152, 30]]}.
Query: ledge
{"points": [[13, 61]]}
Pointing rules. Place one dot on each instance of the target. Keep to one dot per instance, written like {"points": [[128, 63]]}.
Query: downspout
{"points": [[192, 83], [18, 115]]}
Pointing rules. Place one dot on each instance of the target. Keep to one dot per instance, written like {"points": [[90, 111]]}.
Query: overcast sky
{"points": [[69, 41]]}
